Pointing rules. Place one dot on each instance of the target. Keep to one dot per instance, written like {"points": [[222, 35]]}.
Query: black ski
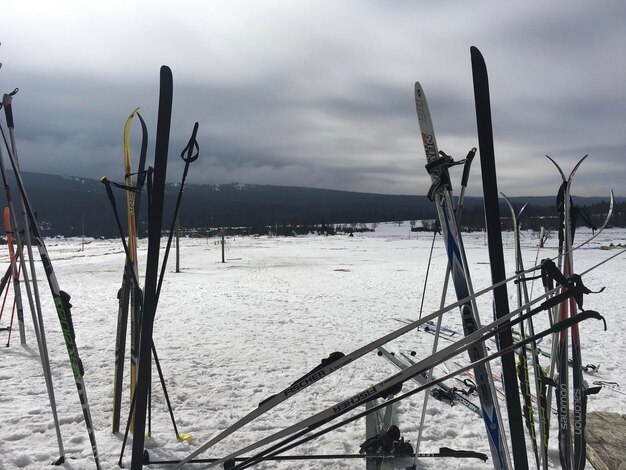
{"points": [[152, 263], [496, 257]]}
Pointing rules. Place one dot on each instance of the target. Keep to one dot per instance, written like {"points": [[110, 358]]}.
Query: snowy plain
{"points": [[231, 334]]}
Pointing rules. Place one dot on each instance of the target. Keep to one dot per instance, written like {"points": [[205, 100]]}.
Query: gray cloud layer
{"points": [[321, 93]]}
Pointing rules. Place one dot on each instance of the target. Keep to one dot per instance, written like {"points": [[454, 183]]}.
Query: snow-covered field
{"points": [[230, 335]]}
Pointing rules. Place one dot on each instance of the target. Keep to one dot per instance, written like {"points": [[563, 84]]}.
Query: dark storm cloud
{"points": [[321, 93]]}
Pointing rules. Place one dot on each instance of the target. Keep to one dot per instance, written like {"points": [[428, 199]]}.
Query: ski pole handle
{"points": [[466, 167], [191, 146]]}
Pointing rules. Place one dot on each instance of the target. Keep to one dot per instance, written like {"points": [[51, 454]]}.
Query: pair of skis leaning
{"points": [[130, 293], [575, 457], [437, 165]]}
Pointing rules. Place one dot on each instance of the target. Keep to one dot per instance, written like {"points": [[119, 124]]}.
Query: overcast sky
{"points": [[320, 93]]}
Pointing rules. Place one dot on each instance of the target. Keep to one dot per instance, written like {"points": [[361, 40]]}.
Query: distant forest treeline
{"points": [[70, 206]]}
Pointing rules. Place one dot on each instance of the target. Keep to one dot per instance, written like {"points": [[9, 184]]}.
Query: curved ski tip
{"points": [[131, 115], [582, 160], [557, 167], [507, 200]]}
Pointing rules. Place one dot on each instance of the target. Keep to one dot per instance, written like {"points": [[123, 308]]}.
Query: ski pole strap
{"points": [[191, 146], [471, 387], [137, 173], [548, 273], [581, 289], [573, 287], [133, 189]]}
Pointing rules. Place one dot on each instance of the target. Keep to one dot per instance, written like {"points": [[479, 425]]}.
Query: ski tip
{"points": [[132, 115], [475, 52], [418, 90]]}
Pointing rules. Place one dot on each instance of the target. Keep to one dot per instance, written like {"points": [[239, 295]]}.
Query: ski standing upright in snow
{"points": [[152, 263], [129, 291], [540, 449], [571, 458], [441, 194], [496, 257]]}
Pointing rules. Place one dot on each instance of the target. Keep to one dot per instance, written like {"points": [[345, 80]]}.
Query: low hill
{"points": [[64, 204]]}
